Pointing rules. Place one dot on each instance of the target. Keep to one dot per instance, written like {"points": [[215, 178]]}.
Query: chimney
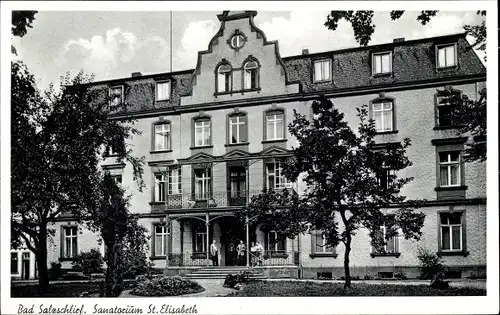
{"points": [[399, 40], [136, 74], [305, 51]]}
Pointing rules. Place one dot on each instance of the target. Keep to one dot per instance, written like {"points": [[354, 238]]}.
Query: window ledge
{"points": [[386, 132], [236, 144], [157, 257], [447, 68], [162, 101], [250, 90], [202, 147], [448, 188], [160, 151], [323, 81], [385, 74], [385, 255], [319, 255], [66, 258], [455, 253], [275, 141]]}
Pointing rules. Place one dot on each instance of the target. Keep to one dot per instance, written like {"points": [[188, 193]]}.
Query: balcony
{"points": [[216, 199]]}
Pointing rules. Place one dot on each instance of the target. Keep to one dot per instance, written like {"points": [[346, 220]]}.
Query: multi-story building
{"points": [[216, 135]]}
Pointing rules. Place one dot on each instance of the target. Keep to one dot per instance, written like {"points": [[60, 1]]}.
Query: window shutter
{"points": [[313, 242], [62, 243]]}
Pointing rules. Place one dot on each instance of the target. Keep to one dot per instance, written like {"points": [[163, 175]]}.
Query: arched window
{"points": [[251, 75], [224, 78]]}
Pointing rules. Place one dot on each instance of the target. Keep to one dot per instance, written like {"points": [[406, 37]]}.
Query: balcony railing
{"points": [[268, 258], [215, 199]]}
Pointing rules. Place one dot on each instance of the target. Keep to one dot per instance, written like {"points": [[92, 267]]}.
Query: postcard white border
{"points": [[297, 305]]}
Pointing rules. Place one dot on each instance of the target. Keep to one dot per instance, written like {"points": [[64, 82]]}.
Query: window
{"points": [[175, 181], [160, 188], [163, 91], [275, 242], [117, 178], [320, 244], [275, 125], [200, 238], [116, 97], [70, 241], [322, 70], [385, 176], [449, 169], [237, 41], [382, 63], [382, 114], [391, 245], [238, 128], [446, 56], [160, 240], [162, 137], [202, 135], [203, 184], [445, 107], [451, 231], [250, 75], [14, 263], [275, 177], [224, 78]]}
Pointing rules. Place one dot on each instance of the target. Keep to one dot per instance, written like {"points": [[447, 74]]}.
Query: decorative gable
{"points": [[239, 63]]}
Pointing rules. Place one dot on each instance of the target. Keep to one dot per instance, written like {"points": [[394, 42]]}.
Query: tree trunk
{"points": [[110, 262], [41, 259], [347, 272]]}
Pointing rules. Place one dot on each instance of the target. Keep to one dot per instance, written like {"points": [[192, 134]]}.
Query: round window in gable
{"points": [[237, 41]]}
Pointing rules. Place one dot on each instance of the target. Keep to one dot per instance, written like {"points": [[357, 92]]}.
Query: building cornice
{"points": [[297, 97]]}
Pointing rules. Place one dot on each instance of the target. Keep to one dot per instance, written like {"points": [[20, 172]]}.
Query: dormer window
{"points": [[162, 91], [115, 97], [446, 55], [382, 63], [251, 75], [224, 78], [322, 70]]}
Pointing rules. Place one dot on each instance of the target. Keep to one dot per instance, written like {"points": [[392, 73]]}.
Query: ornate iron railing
{"points": [[214, 199], [187, 259], [268, 258]]}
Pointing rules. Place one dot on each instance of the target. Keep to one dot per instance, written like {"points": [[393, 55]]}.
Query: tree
{"points": [[363, 27], [57, 143], [470, 117], [21, 21], [120, 232], [348, 181]]}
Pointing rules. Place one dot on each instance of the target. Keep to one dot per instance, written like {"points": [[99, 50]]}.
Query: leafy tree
{"points": [[57, 142], [120, 232], [21, 21], [344, 175], [363, 27], [470, 117]]}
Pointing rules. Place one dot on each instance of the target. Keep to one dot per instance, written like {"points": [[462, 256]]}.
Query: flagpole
{"points": [[171, 32]]}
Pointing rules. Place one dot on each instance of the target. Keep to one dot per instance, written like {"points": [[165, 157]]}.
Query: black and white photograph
{"points": [[178, 158]]}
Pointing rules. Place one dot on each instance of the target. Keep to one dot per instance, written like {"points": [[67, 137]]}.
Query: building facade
{"points": [[216, 135]]}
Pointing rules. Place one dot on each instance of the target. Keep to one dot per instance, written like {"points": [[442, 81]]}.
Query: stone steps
{"points": [[222, 272]]}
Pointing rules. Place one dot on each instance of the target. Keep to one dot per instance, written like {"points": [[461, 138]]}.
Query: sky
{"points": [[115, 44]]}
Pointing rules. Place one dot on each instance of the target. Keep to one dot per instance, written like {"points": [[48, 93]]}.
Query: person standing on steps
{"points": [[260, 252], [241, 249], [214, 252]]}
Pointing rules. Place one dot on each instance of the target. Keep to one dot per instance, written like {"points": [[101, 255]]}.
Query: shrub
{"points": [[430, 264], [133, 263], [399, 274], [232, 280], [368, 277], [88, 262], [55, 271], [165, 286]]}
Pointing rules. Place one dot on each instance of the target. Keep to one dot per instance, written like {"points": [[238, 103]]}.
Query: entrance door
{"points": [[232, 232], [25, 269], [237, 186]]}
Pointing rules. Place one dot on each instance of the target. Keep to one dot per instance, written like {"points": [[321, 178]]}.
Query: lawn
{"points": [[296, 288], [57, 289]]}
